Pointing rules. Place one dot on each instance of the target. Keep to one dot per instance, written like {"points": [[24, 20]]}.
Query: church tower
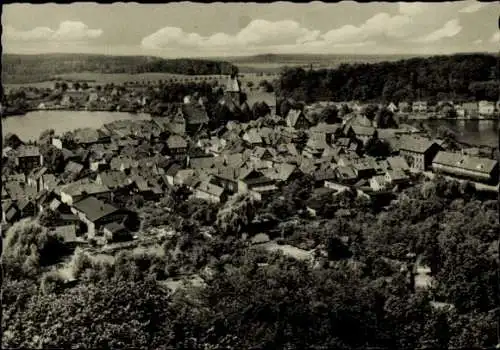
{"points": [[233, 89]]}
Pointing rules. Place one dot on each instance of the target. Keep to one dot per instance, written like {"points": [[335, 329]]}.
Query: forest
{"points": [[31, 68], [456, 77]]}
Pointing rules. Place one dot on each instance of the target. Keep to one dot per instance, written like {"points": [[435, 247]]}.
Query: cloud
{"points": [[474, 7], [413, 23], [450, 29], [412, 8], [258, 33], [495, 38], [68, 31]]}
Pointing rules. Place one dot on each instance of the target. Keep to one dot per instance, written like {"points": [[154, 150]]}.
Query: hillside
{"points": [[274, 63], [33, 68], [460, 76]]}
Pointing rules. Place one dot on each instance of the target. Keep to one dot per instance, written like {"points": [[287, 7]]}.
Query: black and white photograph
{"points": [[250, 175]]}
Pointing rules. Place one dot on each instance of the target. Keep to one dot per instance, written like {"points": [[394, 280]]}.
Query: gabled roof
{"points": [[293, 116], [202, 162], [346, 172], [210, 188], [73, 167], [176, 141], [397, 174], [78, 188], [253, 136], [113, 179], [173, 169], [27, 151], [35, 174], [415, 144], [398, 162], [458, 160], [94, 209]]}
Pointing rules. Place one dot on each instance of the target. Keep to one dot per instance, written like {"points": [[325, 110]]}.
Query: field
{"points": [[121, 78]]}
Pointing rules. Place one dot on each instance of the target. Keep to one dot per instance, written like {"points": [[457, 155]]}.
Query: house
{"points": [[297, 119], [396, 177], [112, 179], [397, 163], [35, 178], [26, 207], [346, 174], [315, 146], [392, 107], [283, 172], [96, 213], [419, 106], [195, 115], [320, 176], [466, 167], [227, 178], [363, 169], [254, 182], [171, 172], [177, 124], [141, 186], [210, 192], [176, 146], [73, 169], [57, 143], [253, 137], [364, 133], [486, 108], [76, 191], [471, 110], [201, 161], [330, 131], [378, 183], [261, 154], [418, 152], [404, 107], [116, 232], [50, 181], [68, 233], [10, 213], [89, 136], [124, 164], [28, 158]]}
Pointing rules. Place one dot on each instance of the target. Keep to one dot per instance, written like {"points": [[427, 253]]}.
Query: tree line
{"points": [[22, 68], [457, 77]]}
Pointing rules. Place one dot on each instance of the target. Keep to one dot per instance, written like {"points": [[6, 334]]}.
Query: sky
{"points": [[188, 29]]}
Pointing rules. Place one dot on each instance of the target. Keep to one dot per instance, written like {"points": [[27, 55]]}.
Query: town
{"points": [[227, 176], [143, 159]]}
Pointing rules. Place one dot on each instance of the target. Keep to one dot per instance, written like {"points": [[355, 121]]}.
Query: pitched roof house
{"points": [[468, 167], [297, 119]]}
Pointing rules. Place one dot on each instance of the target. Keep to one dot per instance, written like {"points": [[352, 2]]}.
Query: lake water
{"points": [[475, 132], [29, 126]]}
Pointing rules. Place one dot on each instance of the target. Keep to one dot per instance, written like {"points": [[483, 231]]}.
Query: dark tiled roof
{"points": [[195, 114], [458, 160], [415, 144], [94, 209]]}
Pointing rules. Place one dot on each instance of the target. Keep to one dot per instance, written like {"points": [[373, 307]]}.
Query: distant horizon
{"points": [[197, 30], [254, 55]]}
